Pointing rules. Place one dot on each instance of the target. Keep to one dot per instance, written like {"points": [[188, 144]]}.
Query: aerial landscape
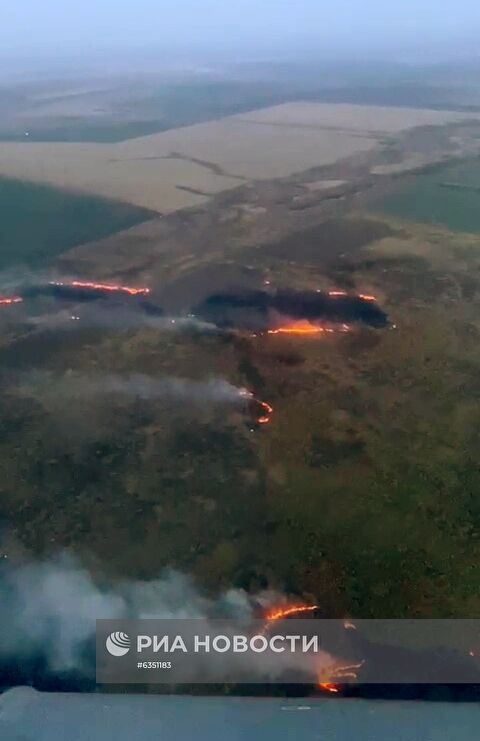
{"points": [[239, 346]]}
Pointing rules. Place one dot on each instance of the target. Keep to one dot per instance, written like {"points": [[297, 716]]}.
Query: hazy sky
{"points": [[376, 26]]}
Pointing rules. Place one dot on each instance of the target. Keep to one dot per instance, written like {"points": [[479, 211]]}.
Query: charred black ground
{"points": [[86, 295], [261, 310]]}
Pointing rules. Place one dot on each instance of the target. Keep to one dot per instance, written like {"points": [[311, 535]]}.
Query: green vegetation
{"points": [[447, 195], [362, 493], [37, 222]]}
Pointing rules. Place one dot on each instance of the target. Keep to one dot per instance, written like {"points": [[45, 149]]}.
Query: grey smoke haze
{"points": [[139, 385], [370, 26], [119, 318], [49, 609]]}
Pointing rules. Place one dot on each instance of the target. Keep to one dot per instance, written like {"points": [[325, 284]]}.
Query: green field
{"points": [[37, 222], [449, 196]]}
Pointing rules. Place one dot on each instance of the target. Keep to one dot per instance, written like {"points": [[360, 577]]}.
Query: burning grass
{"points": [[307, 328], [291, 312], [338, 503], [261, 410], [9, 300], [102, 287], [119, 297]]}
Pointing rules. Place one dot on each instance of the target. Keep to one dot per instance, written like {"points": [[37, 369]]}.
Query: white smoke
{"points": [[118, 318], [49, 608], [138, 385]]}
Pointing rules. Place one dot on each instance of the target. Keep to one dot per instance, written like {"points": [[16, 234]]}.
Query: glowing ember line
{"points": [[102, 287], [345, 671], [348, 671], [363, 296], [267, 412], [298, 328], [279, 613], [306, 328], [9, 300], [283, 612], [265, 418], [267, 407]]}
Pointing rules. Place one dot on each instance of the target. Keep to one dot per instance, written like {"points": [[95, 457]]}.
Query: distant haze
{"points": [[372, 28]]}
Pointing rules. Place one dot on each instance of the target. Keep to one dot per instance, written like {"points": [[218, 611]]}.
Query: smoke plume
{"points": [[49, 608], [119, 318], [48, 613], [138, 385]]}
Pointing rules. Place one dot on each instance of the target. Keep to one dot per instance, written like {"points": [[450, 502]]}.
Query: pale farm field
{"points": [[274, 142]]}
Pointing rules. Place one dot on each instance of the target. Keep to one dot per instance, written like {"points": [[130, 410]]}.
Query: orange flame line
{"points": [[282, 612], [348, 671], [307, 328], [328, 687], [8, 300], [363, 296], [298, 327], [102, 287], [297, 330], [279, 613], [266, 406], [264, 418], [367, 297]]}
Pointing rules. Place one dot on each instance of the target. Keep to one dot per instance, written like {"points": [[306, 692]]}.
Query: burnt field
{"points": [[363, 419], [180, 415], [259, 310], [107, 295], [336, 470]]}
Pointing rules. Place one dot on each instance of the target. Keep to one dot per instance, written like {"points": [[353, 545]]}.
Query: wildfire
{"points": [[298, 328], [9, 300], [279, 613], [326, 676], [367, 297], [347, 671], [307, 328], [111, 287], [264, 419], [363, 296], [267, 409]]}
